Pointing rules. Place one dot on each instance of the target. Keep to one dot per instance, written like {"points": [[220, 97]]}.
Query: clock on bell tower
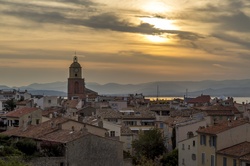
{"points": [[76, 84]]}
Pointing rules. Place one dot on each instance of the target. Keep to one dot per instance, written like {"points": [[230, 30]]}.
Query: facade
{"points": [[234, 155], [76, 84], [220, 136], [47, 102], [187, 152], [79, 145], [22, 117]]}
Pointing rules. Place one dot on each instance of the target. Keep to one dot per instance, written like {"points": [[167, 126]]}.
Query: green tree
{"points": [[12, 161], [27, 146], [10, 104], [149, 144], [173, 138], [170, 159]]}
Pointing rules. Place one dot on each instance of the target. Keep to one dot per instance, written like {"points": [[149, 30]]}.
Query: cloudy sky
{"points": [[124, 41]]}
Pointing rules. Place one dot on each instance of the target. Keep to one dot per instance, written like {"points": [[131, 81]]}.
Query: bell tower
{"points": [[76, 84]]}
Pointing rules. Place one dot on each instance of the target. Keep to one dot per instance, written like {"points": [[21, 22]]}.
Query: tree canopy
{"points": [[149, 144]]}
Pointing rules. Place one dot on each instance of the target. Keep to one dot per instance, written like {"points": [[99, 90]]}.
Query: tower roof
{"points": [[75, 62]]}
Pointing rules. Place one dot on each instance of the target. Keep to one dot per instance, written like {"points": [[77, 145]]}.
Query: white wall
{"points": [[186, 151]]}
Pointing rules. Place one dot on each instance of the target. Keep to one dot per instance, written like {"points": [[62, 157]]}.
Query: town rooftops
{"points": [[71, 103], [219, 107], [239, 150], [200, 99], [221, 127], [20, 112]]}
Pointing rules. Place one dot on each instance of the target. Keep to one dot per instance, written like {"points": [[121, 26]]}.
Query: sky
{"points": [[124, 41]]}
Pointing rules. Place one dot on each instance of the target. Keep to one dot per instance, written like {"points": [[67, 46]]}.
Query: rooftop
{"points": [[17, 113], [221, 127], [239, 150]]}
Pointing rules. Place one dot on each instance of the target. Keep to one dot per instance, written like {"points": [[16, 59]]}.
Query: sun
{"points": [[155, 7], [160, 23], [156, 38]]}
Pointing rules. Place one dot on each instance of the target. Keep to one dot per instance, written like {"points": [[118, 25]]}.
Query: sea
{"points": [[237, 99]]}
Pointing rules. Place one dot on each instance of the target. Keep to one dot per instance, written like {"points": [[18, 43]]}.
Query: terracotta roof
{"points": [[220, 127], [219, 113], [63, 136], [24, 102], [20, 112], [38, 130], [71, 103], [125, 130], [220, 107], [238, 150], [200, 99], [246, 157], [138, 113]]}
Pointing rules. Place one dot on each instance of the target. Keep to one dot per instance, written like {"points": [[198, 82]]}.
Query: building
{"points": [[76, 83], [79, 143], [21, 117], [220, 136], [234, 155]]}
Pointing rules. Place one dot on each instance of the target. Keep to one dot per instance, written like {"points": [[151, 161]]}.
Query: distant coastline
{"points": [[237, 99]]}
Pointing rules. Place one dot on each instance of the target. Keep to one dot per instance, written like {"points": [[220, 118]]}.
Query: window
{"points": [[37, 121], [193, 143], [194, 157], [203, 158], [61, 164], [183, 161], [224, 161], [112, 133], [188, 146], [161, 125], [183, 147], [212, 141], [212, 160], [49, 101], [203, 139], [234, 162]]}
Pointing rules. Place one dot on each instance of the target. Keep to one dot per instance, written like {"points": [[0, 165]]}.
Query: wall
{"points": [[112, 127], [183, 128], [186, 150], [47, 161], [95, 151], [234, 136]]}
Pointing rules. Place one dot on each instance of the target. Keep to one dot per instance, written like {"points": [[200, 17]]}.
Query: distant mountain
{"points": [[236, 88]]}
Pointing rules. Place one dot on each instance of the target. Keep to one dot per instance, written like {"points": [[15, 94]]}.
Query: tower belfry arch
{"points": [[76, 83]]}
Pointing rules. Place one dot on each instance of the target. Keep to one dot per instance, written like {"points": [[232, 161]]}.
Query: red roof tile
{"points": [[238, 150], [20, 112], [200, 99], [220, 127]]}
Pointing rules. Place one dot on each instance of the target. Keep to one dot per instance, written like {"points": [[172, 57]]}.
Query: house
{"points": [[87, 111], [21, 117], [138, 119], [220, 136], [234, 155], [202, 100], [78, 143], [25, 103], [48, 101], [187, 151], [118, 105]]}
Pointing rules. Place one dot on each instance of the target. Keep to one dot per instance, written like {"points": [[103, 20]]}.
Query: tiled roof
{"points": [[38, 130], [20, 112], [139, 113], [246, 157], [125, 130], [220, 127], [53, 110], [24, 102], [63, 136], [238, 150], [219, 113], [71, 103], [220, 107], [200, 99]]}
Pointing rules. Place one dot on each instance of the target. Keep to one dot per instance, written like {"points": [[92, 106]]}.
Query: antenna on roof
{"points": [[157, 93]]}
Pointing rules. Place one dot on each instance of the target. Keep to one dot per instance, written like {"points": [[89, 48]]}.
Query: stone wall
{"points": [[47, 161], [95, 151]]}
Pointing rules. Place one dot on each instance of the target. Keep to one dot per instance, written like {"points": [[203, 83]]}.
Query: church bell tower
{"points": [[76, 84]]}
